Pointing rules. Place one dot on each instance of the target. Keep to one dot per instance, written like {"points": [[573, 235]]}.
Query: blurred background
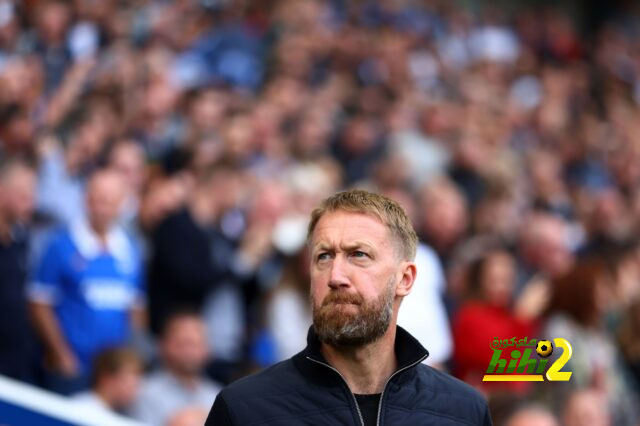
{"points": [[159, 161]]}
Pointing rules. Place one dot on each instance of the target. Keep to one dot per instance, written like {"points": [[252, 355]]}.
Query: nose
{"points": [[338, 275]]}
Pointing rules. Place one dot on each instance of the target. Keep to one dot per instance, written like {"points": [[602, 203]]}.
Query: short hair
{"points": [[574, 292], [383, 208], [179, 313], [9, 165], [112, 361]]}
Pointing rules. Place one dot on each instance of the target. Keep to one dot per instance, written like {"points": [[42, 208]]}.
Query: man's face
{"points": [[17, 194], [355, 269], [125, 385], [105, 195], [184, 346]]}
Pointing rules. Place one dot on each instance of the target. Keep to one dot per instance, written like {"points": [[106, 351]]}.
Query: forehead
{"points": [[343, 227]]}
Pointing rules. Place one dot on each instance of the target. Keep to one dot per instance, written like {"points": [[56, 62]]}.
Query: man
{"points": [[179, 386], [17, 185], [358, 368], [115, 382], [87, 292], [545, 254]]}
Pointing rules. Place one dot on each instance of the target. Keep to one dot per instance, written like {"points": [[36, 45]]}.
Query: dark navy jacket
{"points": [[306, 390]]}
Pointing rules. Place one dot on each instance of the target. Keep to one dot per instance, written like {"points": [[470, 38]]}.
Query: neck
{"points": [[107, 397], [201, 209], [101, 232], [187, 380], [366, 368]]}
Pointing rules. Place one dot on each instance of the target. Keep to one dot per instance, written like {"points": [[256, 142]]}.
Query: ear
{"points": [[409, 272]]}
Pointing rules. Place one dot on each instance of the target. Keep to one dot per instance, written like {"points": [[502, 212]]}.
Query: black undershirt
{"points": [[369, 408]]}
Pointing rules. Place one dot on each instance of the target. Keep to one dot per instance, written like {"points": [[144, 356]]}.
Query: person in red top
{"points": [[485, 315]]}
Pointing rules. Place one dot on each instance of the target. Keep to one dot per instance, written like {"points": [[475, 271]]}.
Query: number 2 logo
{"points": [[553, 373]]}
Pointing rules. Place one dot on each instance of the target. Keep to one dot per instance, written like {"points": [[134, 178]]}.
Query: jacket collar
{"points": [[409, 351]]}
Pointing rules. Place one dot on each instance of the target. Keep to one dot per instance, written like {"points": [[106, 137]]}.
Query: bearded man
{"points": [[359, 367]]}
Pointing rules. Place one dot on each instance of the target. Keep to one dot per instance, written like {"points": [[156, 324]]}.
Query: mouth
{"points": [[345, 307], [343, 303]]}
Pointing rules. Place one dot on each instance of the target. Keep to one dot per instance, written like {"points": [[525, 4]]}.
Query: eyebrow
{"points": [[346, 247]]}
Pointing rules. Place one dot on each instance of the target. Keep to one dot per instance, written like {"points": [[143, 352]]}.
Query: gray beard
{"points": [[353, 330]]}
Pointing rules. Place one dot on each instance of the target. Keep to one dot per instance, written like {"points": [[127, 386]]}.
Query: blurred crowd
{"points": [[159, 161]]}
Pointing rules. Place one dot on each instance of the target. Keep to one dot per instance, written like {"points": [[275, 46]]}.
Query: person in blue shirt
{"points": [[87, 291]]}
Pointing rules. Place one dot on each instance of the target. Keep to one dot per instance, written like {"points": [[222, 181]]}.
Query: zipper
{"points": [[383, 389], [345, 382], [389, 379]]}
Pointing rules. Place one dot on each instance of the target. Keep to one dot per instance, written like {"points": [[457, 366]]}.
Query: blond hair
{"points": [[383, 208]]}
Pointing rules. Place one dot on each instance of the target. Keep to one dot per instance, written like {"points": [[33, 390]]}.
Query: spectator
{"points": [[627, 338], [444, 217], [423, 311], [87, 290], [576, 311], [288, 312], [114, 383], [52, 21], [545, 253], [183, 269], [63, 171], [485, 316], [17, 184], [127, 158], [178, 389], [544, 247]]}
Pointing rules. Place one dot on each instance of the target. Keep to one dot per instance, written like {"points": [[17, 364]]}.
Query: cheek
{"points": [[318, 289]]}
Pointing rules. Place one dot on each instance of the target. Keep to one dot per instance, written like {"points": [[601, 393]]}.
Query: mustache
{"points": [[336, 297]]}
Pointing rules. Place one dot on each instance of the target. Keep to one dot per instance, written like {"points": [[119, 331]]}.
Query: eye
{"points": [[359, 253], [323, 256]]}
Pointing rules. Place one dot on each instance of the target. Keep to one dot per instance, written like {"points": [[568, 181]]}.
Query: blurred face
{"points": [[86, 144], [270, 204], [125, 384], [238, 138], [355, 272], [53, 21], [555, 257], [105, 194], [359, 136], [17, 194], [313, 134], [586, 408], [184, 347], [532, 418], [497, 278], [444, 218], [208, 110], [128, 160]]}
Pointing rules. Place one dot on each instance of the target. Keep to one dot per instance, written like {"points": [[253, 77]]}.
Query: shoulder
{"points": [[561, 325], [444, 382], [471, 312], [159, 378], [449, 397], [280, 377], [264, 394], [210, 387], [283, 394], [58, 241]]}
